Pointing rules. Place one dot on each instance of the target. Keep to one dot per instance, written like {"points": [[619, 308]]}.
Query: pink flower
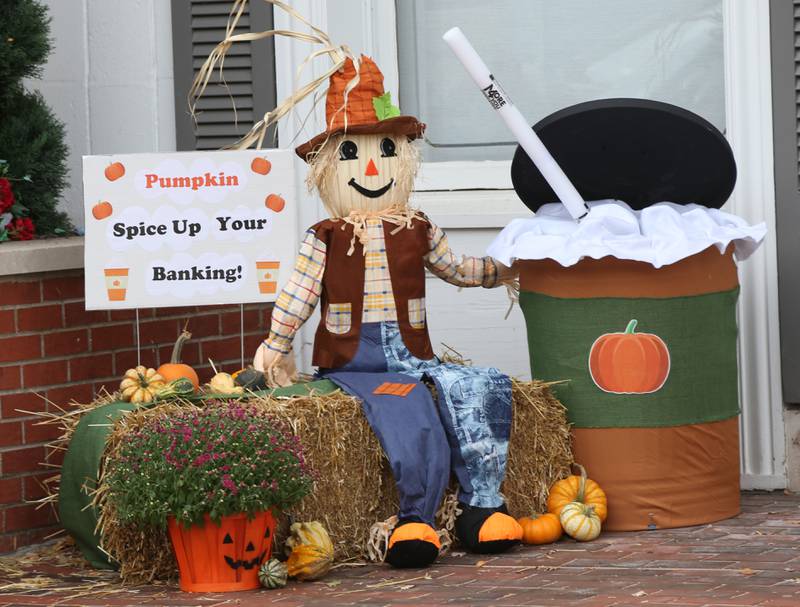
{"points": [[228, 483]]}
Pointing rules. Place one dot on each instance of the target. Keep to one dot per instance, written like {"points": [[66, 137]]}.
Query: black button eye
{"points": [[348, 150], [387, 147]]}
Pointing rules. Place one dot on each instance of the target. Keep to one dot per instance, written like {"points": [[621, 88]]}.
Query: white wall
{"points": [[109, 79]]}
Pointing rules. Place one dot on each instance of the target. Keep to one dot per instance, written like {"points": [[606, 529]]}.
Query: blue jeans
{"points": [[474, 413]]}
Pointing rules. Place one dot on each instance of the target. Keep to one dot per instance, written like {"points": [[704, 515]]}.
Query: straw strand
{"points": [[338, 55]]}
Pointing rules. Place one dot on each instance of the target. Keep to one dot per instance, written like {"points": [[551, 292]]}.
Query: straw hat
{"points": [[364, 109]]}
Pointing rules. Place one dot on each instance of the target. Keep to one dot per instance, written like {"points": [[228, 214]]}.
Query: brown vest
{"points": [[343, 289]]}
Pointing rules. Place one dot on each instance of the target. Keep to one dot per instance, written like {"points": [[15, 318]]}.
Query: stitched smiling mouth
{"points": [[369, 193], [235, 564]]}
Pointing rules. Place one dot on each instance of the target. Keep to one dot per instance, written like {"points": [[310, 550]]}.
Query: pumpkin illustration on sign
{"points": [[102, 210], [114, 171], [274, 202], [629, 362], [260, 165]]}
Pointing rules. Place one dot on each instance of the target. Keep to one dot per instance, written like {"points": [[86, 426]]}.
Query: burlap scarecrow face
{"points": [[364, 161], [364, 173]]}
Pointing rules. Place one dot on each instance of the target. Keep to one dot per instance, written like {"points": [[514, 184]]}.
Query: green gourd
{"points": [[273, 574], [177, 388]]}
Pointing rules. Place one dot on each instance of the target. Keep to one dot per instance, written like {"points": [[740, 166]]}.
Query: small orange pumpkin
{"points": [[260, 165], [540, 528], [629, 363], [102, 210], [114, 171], [577, 489], [275, 203], [175, 369]]}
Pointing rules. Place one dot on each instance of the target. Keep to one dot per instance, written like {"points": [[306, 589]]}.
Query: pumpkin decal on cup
{"points": [[629, 362]]}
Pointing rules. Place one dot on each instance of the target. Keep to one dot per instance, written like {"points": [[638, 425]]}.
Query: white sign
{"points": [[188, 228]]}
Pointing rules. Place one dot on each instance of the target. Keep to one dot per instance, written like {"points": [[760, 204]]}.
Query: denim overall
{"points": [[467, 431]]}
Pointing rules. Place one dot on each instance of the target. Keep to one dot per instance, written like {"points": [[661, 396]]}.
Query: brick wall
{"points": [[51, 347]]}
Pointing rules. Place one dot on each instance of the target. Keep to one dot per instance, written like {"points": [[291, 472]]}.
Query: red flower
{"points": [[6, 195], [21, 228]]}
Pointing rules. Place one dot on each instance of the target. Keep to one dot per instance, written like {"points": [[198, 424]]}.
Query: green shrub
{"points": [[31, 137]]}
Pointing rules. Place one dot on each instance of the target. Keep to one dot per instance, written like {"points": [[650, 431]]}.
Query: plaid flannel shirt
{"points": [[297, 300]]}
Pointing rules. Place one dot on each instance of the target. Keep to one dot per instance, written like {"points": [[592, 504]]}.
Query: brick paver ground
{"points": [[753, 559]]}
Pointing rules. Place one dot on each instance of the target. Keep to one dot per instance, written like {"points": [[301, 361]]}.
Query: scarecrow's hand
{"points": [[279, 369]]}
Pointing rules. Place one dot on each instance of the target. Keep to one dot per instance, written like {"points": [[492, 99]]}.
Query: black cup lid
{"points": [[635, 150]]}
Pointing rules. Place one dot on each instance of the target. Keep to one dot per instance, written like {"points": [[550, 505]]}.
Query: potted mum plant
{"points": [[214, 476]]}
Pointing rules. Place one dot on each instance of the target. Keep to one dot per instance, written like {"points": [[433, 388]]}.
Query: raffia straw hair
{"points": [[323, 164], [337, 54]]}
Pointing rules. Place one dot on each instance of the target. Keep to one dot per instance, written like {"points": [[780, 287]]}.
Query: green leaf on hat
{"points": [[384, 108]]}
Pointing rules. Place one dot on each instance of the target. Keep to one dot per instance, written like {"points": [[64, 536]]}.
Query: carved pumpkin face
{"points": [[215, 558], [364, 173], [247, 550]]}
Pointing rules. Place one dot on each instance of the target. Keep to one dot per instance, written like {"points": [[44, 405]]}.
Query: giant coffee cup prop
{"points": [[635, 307]]}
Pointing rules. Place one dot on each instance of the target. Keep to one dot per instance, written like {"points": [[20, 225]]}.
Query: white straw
{"points": [[515, 121]]}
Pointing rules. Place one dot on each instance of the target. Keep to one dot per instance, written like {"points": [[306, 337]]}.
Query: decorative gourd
{"points": [[580, 521], [310, 551], [629, 363], [177, 388], [540, 528], [175, 369], [273, 574], [577, 489], [250, 379], [141, 385], [222, 383]]}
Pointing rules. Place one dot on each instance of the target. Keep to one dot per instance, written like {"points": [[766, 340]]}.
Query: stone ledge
{"points": [[48, 255]]}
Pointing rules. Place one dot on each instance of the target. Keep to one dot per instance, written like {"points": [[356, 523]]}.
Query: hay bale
{"points": [[354, 487]]}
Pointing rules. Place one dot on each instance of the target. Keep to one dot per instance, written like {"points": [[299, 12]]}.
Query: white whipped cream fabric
{"points": [[659, 235]]}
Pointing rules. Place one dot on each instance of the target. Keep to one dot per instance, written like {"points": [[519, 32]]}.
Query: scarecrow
{"points": [[366, 266]]}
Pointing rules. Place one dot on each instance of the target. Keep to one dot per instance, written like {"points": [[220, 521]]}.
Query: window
{"points": [[549, 55], [198, 26]]}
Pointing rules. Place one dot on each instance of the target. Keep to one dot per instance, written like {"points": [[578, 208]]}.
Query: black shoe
{"points": [[477, 533], [412, 545]]}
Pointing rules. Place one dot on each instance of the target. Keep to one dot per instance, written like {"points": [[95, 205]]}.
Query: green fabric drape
{"points": [[81, 468], [699, 331]]}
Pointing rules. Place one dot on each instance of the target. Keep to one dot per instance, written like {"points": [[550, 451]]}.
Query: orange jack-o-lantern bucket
{"points": [[224, 557]]}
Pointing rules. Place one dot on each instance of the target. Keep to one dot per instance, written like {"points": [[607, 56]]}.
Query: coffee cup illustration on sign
{"points": [[267, 272], [116, 283]]}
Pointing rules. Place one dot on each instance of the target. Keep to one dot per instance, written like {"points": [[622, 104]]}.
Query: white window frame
{"points": [[458, 194]]}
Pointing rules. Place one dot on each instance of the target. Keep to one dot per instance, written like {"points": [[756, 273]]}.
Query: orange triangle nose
{"points": [[372, 170]]}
